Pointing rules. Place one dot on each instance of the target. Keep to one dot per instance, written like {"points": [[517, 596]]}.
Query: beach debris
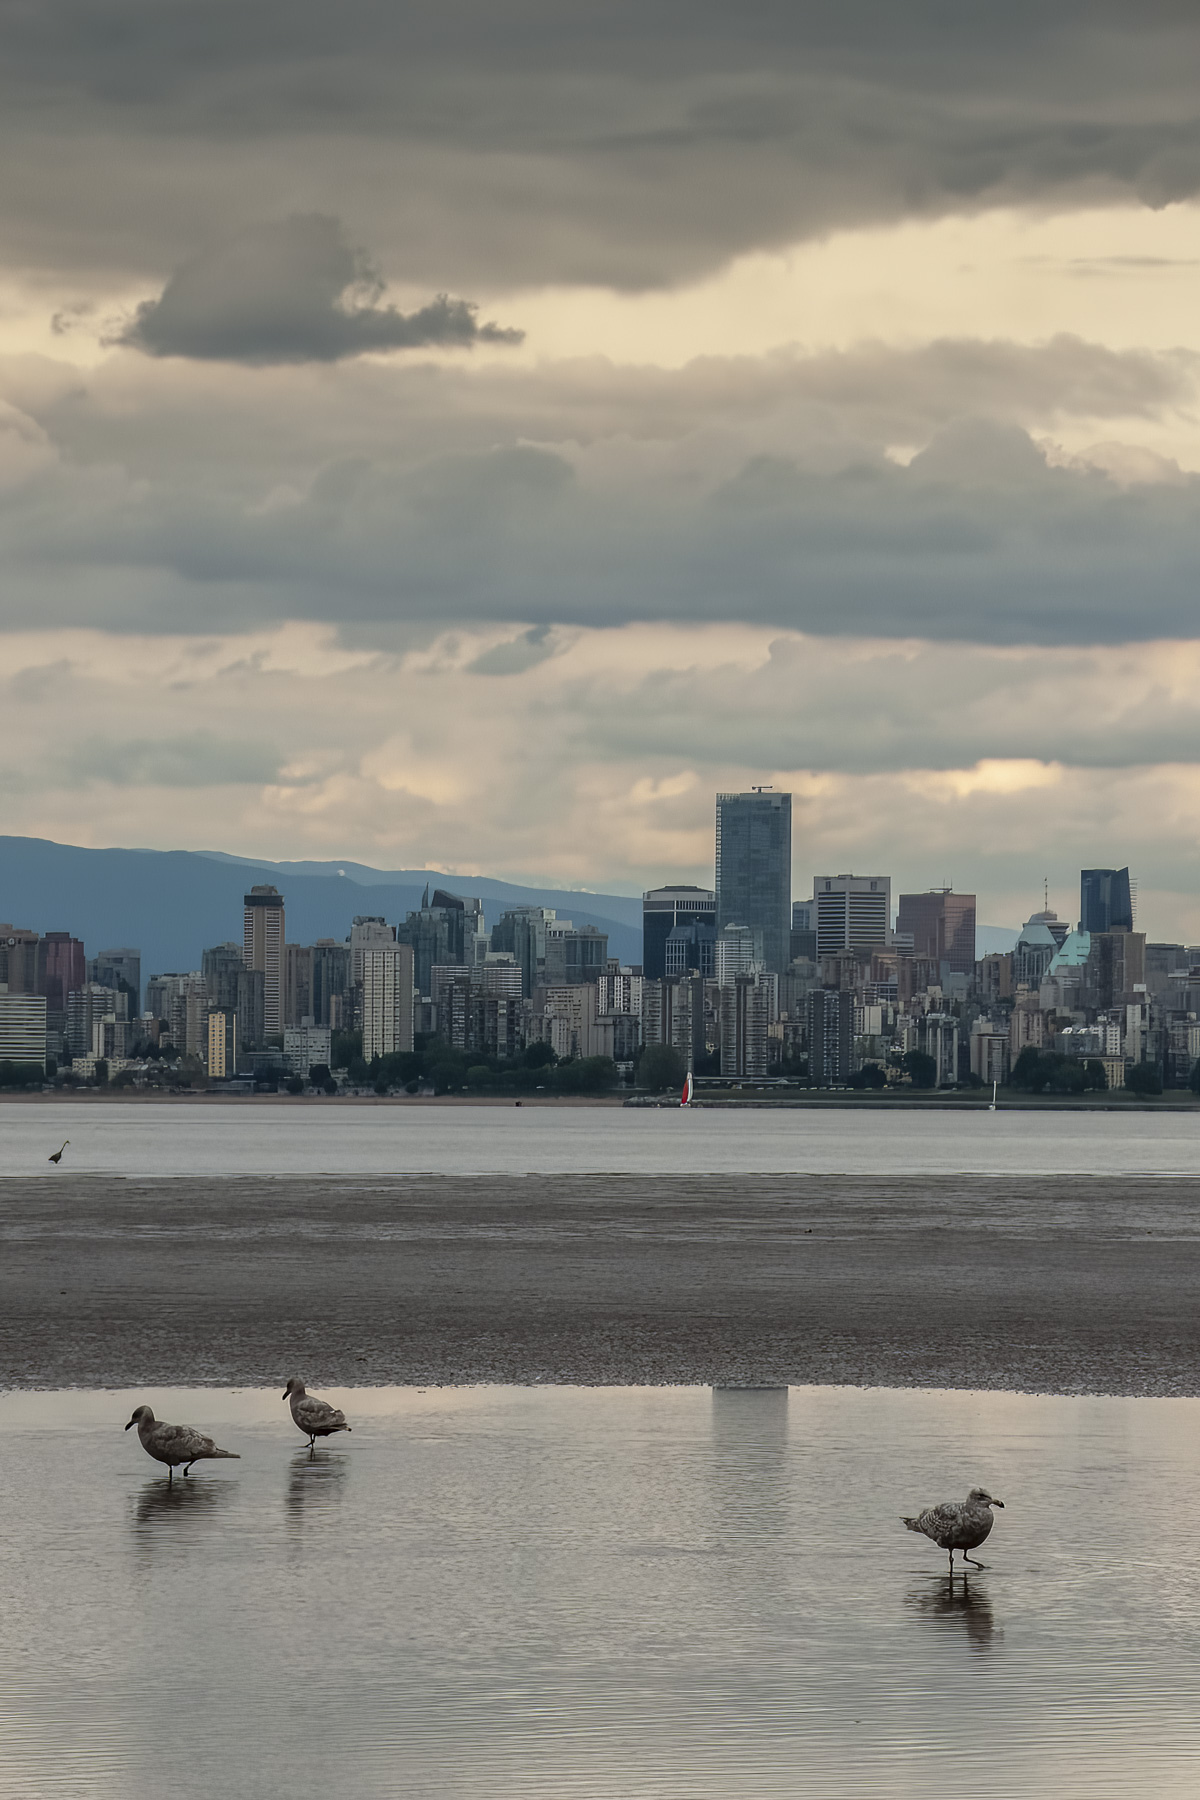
{"points": [[958, 1524], [316, 1418], [174, 1444]]}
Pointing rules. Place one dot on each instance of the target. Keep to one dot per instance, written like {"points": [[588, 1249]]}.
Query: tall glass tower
{"points": [[1105, 900], [754, 868]]}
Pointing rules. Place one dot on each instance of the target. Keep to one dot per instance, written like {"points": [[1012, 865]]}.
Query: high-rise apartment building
{"points": [[689, 911], [222, 1047], [263, 948], [738, 951], [942, 926], [851, 912], [441, 932], [745, 1023], [1105, 900], [754, 868], [829, 1021], [521, 932], [573, 955], [387, 1000]]}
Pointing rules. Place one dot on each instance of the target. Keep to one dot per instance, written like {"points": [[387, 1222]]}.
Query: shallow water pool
{"points": [[510, 1594]]}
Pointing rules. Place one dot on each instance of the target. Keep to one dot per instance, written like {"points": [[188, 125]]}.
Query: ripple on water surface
{"points": [[497, 1594]]}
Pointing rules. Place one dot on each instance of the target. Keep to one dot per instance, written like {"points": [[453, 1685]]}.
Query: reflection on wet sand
{"points": [[182, 1500], [956, 1604], [315, 1483]]}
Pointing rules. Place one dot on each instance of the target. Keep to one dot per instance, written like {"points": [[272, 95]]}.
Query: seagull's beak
{"points": [[285, 1393], [131, 1422], [998, 1503]]}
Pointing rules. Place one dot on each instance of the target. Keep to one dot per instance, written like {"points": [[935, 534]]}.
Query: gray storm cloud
{"points": [[602, 141], [292, 291]]}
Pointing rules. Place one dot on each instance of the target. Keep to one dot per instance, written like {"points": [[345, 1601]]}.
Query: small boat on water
{"points": [[688, 1085]]}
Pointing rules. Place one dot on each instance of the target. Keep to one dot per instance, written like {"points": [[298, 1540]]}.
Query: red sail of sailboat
{"points": [[687, 1090]]}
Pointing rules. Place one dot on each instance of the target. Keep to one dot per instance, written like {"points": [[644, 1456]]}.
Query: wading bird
{"points": [[174, 1444], [57, 1157], [316, 1418], [958, 1524]]}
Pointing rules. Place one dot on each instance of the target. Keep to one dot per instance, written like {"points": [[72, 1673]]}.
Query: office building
{"points": [[330, 989], [62, 969], [672, 1012], [23, 1027], [573, 956], [120, 969], [442, 931], [851, 912], [1105, 900], [18, 960], [387, 1000], [84, 1006], [754, 869], [521, 934], [829, 1028], [942, 926], [263, 945], [668, 910]]}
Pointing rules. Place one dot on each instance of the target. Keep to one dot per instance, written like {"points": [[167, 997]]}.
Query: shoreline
{"points": [[1060, 1284], [1172, 1102]]}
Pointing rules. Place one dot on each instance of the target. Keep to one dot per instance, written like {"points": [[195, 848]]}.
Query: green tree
{"points": [[539, 1055], [921, 1068], [1029, 1072], [294, 1084], [1144, 1078], [660, 1066], [346, 1046], [1194, 1083], [1095, 1075]]}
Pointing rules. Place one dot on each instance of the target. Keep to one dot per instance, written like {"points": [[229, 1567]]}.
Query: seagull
{"points": [[958, 1524], [316, 1418], [57, 1157], [174, 1444]]}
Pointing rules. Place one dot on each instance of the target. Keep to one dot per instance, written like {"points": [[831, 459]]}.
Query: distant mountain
{"points": [[172, 904]]}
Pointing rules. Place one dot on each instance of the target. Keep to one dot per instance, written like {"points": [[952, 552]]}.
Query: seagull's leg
{"points": [[973, 1563], [952, 1562], [170, 1474]]}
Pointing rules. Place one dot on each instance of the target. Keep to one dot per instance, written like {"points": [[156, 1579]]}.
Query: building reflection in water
{"points": [[315, 1485], [956, 1605]]}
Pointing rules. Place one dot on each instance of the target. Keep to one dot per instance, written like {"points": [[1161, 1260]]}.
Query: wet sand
{"points": [[1050, 1284]]}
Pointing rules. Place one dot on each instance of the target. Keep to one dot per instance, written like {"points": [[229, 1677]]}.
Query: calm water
{"points": [[498, 1594], [196, 1137]]}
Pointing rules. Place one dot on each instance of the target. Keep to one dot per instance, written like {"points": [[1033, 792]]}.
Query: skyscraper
{"points": [[754, 868], [942, 925], [669, 909], [1105, 900], [262, 948]]}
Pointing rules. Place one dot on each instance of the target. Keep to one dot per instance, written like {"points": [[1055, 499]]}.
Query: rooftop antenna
{"points": [[1045, 893], [765, 787]]}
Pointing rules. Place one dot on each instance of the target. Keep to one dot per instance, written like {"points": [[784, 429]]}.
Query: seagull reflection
{"points": [[160, 1501], [315, 1482], [953, 1604]]}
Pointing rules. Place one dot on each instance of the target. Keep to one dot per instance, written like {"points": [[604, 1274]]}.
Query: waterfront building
{"points": [[263, 944], [306, 1047], [990, 1050], [754, 869]]}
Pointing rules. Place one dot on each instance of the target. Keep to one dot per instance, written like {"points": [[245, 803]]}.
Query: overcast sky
{"points": [[470, 436]]}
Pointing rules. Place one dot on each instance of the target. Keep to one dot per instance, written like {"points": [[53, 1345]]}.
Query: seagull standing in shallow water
{"points": [[316, 1418], [174, 1444], [958, 1524]]}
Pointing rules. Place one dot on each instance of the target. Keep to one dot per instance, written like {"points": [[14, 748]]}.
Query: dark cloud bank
{"points": [[292, 291], [599, 141]]}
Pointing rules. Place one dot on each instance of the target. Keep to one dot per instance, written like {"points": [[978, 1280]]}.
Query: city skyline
{"points": [[816, 409]]}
